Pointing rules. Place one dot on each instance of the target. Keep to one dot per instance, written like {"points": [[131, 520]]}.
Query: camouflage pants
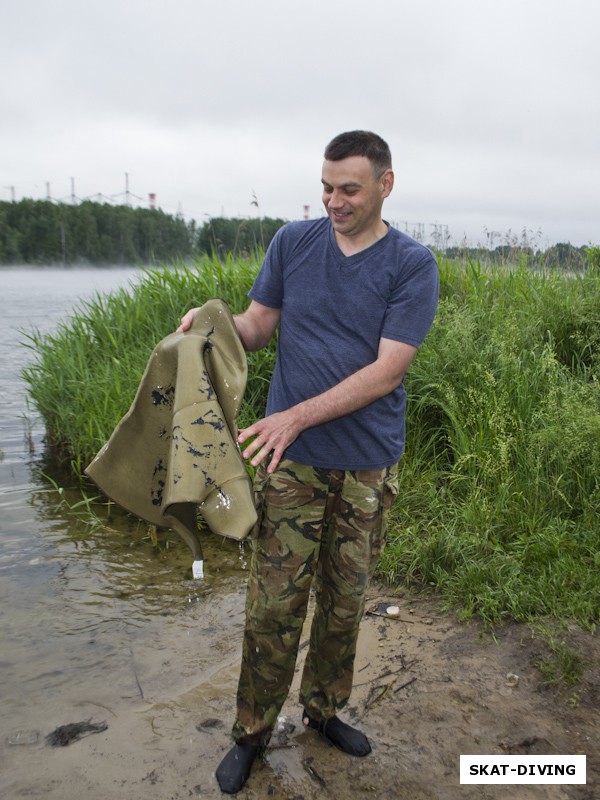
{"points": [[319, 526]]}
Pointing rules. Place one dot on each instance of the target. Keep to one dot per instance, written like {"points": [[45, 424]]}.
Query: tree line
{"points": [[43, 232], [562, 256]]}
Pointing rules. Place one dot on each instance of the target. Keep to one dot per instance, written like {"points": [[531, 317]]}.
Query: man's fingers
{"points": [[259, 449], [260, 456], [274, 462], [266, 452], [252, 446], [187, 319], [271, 437], [244, 434]]}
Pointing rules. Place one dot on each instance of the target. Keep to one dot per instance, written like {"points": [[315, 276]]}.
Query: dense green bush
{"points": [[500, 505]]}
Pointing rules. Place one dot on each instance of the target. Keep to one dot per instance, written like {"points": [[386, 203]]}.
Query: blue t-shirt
{"points": [[334, 311]]}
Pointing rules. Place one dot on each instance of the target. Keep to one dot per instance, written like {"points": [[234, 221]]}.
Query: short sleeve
{"points": [[413, 301], [268, 285]]}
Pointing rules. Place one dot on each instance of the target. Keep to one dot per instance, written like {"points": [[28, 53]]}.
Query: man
{"points": [[353, 299]]}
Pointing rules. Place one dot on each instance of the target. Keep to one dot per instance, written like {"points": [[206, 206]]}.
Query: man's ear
{"points": [[387, 182]]}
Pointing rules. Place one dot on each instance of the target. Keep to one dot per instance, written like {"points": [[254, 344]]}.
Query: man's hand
{"points": [[255, 326], [272, 435], [186, 320], [277, 431]]}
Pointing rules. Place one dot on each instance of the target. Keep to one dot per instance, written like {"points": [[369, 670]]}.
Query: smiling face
{"points": [[353, 196]]}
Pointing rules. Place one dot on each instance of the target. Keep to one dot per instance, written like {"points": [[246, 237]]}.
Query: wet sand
{"points": [[427, 689]]}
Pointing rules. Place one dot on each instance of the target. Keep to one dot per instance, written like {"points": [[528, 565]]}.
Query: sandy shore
{"points": [[426, 690]]}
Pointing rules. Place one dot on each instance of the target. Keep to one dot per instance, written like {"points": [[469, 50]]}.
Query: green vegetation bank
{"points": [[499, 507]]}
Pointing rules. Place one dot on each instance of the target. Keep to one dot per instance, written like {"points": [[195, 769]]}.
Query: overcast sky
{"points": [[491, 108]]}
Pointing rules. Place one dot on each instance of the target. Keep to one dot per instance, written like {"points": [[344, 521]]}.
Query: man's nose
{"points": [[335, 199]]}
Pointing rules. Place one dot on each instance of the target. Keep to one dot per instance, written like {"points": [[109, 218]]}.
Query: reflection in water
{"points": [[126, 559]]}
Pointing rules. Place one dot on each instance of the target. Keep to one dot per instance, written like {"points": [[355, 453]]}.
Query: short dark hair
{"points": [[360, 143]]}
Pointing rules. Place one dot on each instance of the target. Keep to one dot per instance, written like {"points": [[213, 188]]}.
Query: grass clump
{"points": [[563, 666], [500, 500], [499, 507]]}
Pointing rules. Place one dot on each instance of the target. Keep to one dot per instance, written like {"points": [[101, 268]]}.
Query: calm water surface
{"points": [[77, 608]]}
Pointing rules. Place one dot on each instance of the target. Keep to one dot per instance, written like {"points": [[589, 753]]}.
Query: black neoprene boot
{"points": [[233, 771], [340, 734]]}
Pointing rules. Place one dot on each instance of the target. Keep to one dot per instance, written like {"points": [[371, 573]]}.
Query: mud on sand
{"points": [[426, 690]]}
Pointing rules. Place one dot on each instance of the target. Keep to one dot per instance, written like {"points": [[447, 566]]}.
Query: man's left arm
{"points": [[277, 431]]}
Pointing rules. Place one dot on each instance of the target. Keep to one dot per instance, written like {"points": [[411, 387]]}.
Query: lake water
{"points": [[81, 613]]}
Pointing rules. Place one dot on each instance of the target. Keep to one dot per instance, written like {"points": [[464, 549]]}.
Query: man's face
{"points": [[353, 195]]}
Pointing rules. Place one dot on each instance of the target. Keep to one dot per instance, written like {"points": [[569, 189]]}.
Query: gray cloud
{"points": [[491, 109]]}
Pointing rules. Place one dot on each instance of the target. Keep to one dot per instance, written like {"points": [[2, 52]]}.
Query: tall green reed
{"points": [[499, 506], [84, 376], [501, 478]]}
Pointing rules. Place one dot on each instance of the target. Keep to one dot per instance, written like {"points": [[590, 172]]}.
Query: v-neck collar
{"points": [[355, 258]]}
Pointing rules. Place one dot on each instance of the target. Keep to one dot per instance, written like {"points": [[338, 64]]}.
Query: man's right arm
{"points": [[255, 326]]}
